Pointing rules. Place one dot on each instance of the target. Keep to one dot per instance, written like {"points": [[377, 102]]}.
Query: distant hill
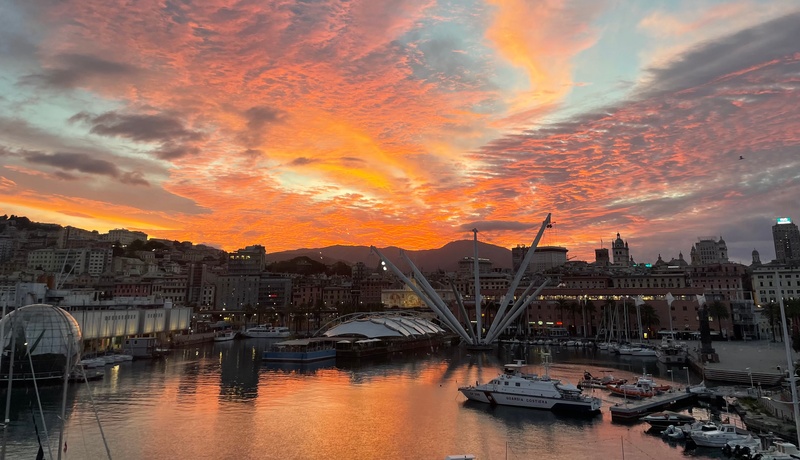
{"points": [[445, 258]]}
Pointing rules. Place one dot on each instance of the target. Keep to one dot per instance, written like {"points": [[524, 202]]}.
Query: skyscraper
{"points": [[786, 237]]}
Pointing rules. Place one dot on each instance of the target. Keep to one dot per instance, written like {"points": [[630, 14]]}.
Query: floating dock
{"points": [[633, 409]]}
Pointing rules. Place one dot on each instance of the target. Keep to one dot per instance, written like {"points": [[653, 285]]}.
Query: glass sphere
{"points": [[45, 339]]}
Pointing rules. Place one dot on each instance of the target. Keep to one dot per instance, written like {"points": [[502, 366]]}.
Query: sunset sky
{"points": [[310, 123]]}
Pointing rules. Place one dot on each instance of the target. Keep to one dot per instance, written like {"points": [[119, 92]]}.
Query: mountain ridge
{"points": [[445, 258]]}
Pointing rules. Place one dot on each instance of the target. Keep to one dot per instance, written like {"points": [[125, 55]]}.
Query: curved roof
{"points": [[384, 326]]}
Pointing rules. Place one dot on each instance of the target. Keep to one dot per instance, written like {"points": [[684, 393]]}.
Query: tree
{"points": [[719, 311], [561, 305], [648, 315], [793, 313], [589, 310], [773, 313]]}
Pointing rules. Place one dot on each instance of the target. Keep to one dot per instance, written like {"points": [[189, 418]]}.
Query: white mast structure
{"points": [[501, 321]]}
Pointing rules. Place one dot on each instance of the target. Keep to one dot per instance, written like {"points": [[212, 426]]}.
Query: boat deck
{"points": [[632, 410]]}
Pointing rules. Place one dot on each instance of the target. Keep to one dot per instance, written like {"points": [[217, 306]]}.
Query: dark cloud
{"points": [[138, 127], [74, 162], [302, 161], [497, 225], [81, 162], [72, 70], [776, 39], [170, 152]]}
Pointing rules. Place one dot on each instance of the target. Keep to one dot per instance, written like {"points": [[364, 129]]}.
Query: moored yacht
{"points": [[515, 388]]}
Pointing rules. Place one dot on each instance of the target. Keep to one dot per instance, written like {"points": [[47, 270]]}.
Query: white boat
{"points": [[718, 437], [265, 331], [224, 336], [643, 352], [665, 419], [516, 388]]}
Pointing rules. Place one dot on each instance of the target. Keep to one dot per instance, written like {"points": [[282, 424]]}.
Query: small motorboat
{"points": [[665, 419]]}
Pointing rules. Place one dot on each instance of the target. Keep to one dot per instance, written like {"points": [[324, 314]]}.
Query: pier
{"points": [[632, 409]]}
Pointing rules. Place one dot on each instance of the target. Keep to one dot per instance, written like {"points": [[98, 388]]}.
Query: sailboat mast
{"points": [[10, 373], [64, 394], [789, 363], [477, 285]]}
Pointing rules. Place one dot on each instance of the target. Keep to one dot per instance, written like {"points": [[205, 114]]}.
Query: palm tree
{"points": [[589, 310], [574, 308], [561, 305], [772, 310], [648, 315], [720, 311]]}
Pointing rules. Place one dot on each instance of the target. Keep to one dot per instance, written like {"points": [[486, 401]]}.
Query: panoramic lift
{"points": [[505, 315]]}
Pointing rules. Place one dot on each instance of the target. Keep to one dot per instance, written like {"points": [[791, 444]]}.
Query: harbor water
{"points": [[219, 401]]}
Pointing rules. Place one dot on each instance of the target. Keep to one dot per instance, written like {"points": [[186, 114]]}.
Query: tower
{"points": [[620, 252], [756, 258], [786, 237]]}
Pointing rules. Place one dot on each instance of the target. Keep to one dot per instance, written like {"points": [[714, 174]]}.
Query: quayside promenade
{"points": [[763, 361]]}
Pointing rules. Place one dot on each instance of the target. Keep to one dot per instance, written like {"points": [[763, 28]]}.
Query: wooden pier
{"points": [[632, 409]]}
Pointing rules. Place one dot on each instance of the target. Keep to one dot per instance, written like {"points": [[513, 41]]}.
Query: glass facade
{"points": [[44, 340]]}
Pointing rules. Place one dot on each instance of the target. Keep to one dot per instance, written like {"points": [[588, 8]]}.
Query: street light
{"points": [[671, 377], [751, 376], [687, 375]]}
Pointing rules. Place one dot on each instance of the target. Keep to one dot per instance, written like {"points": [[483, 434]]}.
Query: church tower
{"points": [[756, 258], [620, 252]]}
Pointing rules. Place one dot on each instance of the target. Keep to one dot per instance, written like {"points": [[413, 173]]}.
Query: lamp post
{"points": [[687, 376], [671, 377], [750, 373]]}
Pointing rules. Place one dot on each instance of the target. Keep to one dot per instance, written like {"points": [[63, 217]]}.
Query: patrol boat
{"points": [[516, 388]]}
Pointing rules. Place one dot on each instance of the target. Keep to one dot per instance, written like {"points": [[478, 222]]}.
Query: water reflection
{"points": [[219, 400]]}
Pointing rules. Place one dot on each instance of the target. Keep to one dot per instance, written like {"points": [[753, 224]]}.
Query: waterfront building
{"points": [[709, 250], [720, 281], [765, 280], [786, 237]]}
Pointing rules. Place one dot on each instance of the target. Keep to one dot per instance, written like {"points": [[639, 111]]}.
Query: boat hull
{"points": [[298, 356]]}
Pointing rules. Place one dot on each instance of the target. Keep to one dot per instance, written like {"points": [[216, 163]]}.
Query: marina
{"points": [[222, 396], [241, 401]]}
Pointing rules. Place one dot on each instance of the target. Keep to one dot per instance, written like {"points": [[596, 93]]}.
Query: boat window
{"points": [[517, 383], [506, 383]]}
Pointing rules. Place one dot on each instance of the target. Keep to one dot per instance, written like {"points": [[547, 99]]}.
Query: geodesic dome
{"points": [[50, 335]]}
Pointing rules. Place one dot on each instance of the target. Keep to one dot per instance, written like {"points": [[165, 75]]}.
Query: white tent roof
{"points": [[385, 326]]}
